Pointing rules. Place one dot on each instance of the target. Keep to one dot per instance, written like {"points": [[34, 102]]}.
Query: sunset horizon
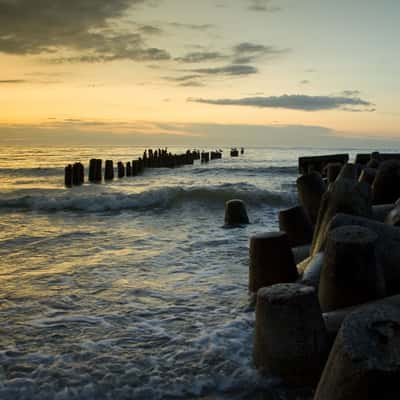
{"points": [[183, 71], [199, 200]]}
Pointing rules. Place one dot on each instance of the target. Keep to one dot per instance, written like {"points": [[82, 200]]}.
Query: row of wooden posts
{"points": [[327, 284], [161, 158]]}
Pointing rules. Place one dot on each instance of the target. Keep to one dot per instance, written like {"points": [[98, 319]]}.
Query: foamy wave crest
{"points": [[157, 198]]}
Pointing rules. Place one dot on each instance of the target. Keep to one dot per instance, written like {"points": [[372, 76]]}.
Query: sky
{"points": [[234, 72]]}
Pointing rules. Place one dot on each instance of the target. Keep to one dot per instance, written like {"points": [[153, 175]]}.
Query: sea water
{"points": [[132, 289]]}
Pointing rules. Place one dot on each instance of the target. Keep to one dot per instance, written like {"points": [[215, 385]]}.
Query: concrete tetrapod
{"points": [[367, 175], [235, 213], [380, 212], [393, 216], [387, 247], [301, 253], [290, 337], [350, 274], [333, 319], [386, 185], [349, 171], [332, 171], [310, 189], [271, 260], [344, 195], [296, 223], [312, 271], [364, 363]]}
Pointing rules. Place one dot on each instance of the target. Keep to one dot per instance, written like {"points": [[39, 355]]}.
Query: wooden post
{"points": [[68, 175], [109, 170], [121, 169], [98, 170]]}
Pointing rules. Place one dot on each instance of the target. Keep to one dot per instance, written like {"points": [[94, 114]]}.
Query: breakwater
{"points": [[74, 174], [327, 285]]}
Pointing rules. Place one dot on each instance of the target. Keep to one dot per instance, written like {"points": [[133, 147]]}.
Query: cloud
{"points": [[350, 93], [262, 5], [12, 81], [28, 81], [201, 56], [242, 53], [182, 78], [192, 84], [294, 102], [86, 28], [247, 52], [239, 56], [230, 70], [190, 80], [149, 54], [194, 27], [150, 30]]}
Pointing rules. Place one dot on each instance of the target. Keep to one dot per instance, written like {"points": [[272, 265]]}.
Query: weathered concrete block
{"points": [[350, 274], [301, 253], [333, 319], [318, 163], [349, 171], [365, 360], [344, 195], [290, 336], [386, 185], [311, 272], [387, 247], [271, 260], [310, 189], [296, 223], [235, 213], [333, 170], [367, 175], [381, 211], [393, 216]]}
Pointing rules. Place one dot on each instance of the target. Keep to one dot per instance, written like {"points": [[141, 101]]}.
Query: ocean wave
{"points": [[36, 172], [156, 198], [252, 171]]}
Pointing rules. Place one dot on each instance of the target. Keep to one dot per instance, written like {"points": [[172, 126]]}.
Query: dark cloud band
{"points": [[294, 102]]}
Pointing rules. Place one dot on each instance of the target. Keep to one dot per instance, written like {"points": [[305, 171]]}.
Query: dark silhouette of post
{"points": [[109, 170]]}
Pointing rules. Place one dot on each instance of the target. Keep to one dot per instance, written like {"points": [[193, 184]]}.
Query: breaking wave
{"points": [[156, 198]]}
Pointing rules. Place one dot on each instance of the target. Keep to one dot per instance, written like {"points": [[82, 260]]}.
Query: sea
{"points": [[134, 289]]}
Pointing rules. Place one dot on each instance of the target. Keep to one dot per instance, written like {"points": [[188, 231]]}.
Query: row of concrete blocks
{"points": [[300, 335], [75, 175], [328, 303], [319, 163]]}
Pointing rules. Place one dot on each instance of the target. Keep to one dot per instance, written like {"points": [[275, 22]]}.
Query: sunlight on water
{"points": [[132, 289]]}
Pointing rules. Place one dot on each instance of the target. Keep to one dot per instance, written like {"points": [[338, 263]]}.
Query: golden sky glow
{"points": [[129, 66]]}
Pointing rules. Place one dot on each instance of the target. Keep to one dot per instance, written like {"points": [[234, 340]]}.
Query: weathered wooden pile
{"points": [[160, 158], [327, 285]]}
